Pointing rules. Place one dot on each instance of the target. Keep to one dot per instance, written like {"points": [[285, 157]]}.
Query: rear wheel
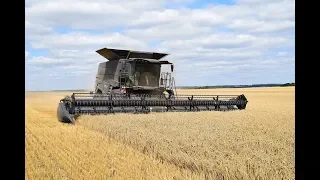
{"points": [[171, 94], [168, 94]]}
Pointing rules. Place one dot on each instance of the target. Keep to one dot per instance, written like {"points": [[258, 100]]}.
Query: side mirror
{"points": [[171, 67]]}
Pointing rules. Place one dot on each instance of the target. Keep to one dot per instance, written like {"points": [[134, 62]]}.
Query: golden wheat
{"points": [[256, 143], [61, 151]]}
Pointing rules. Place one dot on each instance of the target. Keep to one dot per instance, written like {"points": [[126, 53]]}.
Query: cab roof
{"points": [[116, 54]]}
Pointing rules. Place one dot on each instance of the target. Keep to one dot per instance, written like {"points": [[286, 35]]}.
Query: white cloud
{"points": [[179, 17], [226, 41], [168, 32], [261, 26], [83, 40], [45, 61], [26, 54], [264, 2], [282, 53], [36, 30], [84, 14]]}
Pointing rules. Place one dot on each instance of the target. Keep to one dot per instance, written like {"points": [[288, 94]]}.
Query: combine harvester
{"points": [[138, 82]]}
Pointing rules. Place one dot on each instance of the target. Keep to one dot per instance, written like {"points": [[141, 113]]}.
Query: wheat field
{"points": [[256, 143]]}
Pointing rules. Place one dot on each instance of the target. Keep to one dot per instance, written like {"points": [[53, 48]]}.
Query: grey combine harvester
{"points": [[139, 82]]}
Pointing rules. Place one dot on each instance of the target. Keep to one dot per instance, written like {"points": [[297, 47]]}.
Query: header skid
{"points": [[116, 54]]}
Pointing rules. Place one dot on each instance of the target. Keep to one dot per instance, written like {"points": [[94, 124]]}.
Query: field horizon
{"points": [[255, 143], [188, 87]]}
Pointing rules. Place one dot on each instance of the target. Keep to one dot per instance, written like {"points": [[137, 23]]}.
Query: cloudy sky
{"points": [[211, 42]]}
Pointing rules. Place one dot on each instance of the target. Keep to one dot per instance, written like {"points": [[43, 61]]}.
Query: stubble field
{"points": [[256, 143]]}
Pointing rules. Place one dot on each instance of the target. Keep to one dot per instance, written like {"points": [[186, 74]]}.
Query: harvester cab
{"points": [[139, 82], [133, 72]]}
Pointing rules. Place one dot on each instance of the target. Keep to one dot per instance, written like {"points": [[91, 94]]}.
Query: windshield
{"points": [[146, 74]]}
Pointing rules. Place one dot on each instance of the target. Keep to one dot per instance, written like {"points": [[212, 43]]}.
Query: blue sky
{"points": [[210, 42]]}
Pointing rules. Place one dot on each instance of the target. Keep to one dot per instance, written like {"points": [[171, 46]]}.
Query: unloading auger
{"points": [[139, 82]]}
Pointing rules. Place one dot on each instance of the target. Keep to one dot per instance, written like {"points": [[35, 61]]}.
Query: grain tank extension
{"points": [[139, 82]]}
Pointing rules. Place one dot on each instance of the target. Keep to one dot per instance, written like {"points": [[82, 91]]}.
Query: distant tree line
{"points": [[212, 87], [237, 86], [288, 84]]}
